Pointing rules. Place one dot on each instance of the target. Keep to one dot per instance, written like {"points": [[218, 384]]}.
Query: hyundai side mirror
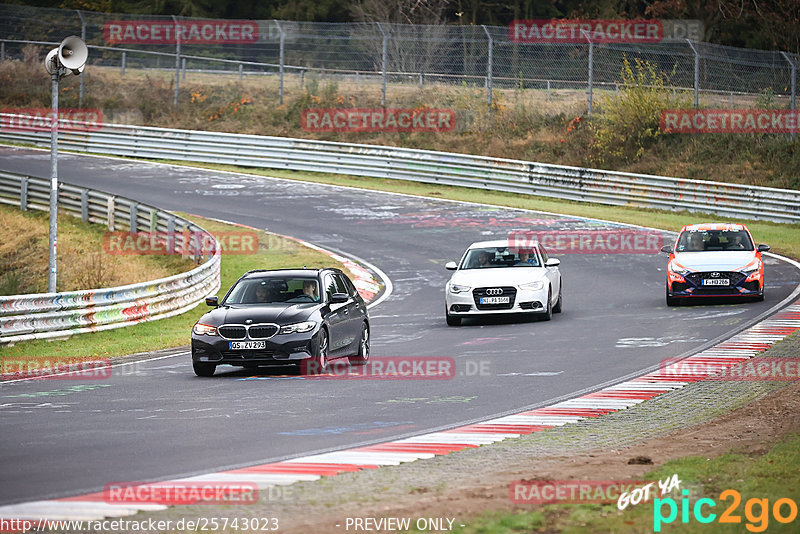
{"points": [[213, 301], [451, 266], [666, 248], [763, 248]]}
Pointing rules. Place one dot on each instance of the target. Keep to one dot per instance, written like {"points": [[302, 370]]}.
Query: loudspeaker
{"points": [[50, 62], [73, 53]]}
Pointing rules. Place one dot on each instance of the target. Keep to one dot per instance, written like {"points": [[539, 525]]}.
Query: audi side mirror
{"points": [[451, 266], [666, 248], [552, 262], [212, 301], [763, 248]]}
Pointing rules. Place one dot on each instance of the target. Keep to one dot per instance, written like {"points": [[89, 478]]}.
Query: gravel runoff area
{"points": [[318, 506]]}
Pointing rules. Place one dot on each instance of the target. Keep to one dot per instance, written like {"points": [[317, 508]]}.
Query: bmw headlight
{"points": [[201, 329], [678, 269], [298, 328], [455, 288], [532, 285]]}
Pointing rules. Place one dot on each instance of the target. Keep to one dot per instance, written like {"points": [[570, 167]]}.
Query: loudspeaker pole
{"points": [[53, 239]]}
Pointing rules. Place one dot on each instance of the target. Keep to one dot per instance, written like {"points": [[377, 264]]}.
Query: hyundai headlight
{"points": [[297, 328], [677, 269], [750, 269], [532, 285], [201, 329], [455, 288]]}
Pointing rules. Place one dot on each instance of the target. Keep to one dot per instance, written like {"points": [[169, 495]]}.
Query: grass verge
{"points": [[760, 480], [273, 253]]}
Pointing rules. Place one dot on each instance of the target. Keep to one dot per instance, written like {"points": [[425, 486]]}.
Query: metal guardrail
{"points": [[556, 181], [48, 315]]}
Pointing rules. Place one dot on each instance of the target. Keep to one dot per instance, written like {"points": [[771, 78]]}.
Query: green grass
{"points": [[771, 476], [274, 253], [783, 238]]}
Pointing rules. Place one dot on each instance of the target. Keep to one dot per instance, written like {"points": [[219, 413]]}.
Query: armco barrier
{"points": [[48, 315], [557, 181]]}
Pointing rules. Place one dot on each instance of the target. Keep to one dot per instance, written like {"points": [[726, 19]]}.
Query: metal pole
{"points": [[794, 84], [183, 69], [53, 237], [489, 65], [696, 74], [548, 90], [123, 63], [383, 65], [241, 69], [280, 89], [2, 51], [177, 61], [591, 77], [83, 38]]}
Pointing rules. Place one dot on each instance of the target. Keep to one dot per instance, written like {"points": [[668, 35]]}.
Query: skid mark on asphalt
{"points": [[641, 342]]}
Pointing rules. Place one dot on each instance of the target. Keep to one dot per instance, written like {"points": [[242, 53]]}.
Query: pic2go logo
{"points": [[756, 511]]}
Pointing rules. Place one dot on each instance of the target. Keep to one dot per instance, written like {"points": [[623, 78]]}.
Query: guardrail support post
{"points": [[134, 220], [123, 64], [111, 206], [83, 38], [383, 65], [177, 62], [280, 67], [85, 205], [696, 74], [170, 235], [794, 84], [23, 194], [153, 221], [489, 66]]}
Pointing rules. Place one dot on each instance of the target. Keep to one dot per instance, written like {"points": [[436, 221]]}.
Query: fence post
{"points": [[280, 89], [696, 74], [590, 95], [383, 65], [123, 63], [2, 50], [183, 69], [489, 65], [85, 205], [303, 78], [83, 38], [794, 85], [23, 194], [548, 90], [241, 71], [177, 61]]}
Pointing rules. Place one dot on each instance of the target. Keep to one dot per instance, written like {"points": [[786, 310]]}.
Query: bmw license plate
{"points": [[247, 345], [495, 300], [716, 282]]}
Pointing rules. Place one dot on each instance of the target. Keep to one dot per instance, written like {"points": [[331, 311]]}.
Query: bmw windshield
{"points": [[274, 290], [493, 257]]}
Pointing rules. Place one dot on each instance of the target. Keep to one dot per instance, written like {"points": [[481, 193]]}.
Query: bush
{"points": [[628, 121]]}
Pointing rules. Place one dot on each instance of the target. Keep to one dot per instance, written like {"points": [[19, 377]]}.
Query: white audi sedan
{"points": [[494, 278]]}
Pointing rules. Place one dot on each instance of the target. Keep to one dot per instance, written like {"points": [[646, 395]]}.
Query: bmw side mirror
{"points": [[666, 248], [763, 248], [451, 266], [552, 262], [339, 298], [213, 301]]}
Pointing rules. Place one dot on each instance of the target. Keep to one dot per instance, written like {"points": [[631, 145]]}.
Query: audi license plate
{"points": [[716, 282], [247, 345], [495, 300]]}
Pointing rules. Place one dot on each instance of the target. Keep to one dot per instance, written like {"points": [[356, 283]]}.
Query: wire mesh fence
{"points": [[400, 55]]}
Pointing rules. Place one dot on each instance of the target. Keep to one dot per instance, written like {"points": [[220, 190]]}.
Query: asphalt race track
{"points": [[155, 420]]}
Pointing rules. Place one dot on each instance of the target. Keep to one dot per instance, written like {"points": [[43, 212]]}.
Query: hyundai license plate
{"points": [[716, 282], [495, 300], [247, 345]]}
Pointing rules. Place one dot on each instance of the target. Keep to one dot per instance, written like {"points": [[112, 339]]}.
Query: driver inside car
{"points": [[310, 290]]}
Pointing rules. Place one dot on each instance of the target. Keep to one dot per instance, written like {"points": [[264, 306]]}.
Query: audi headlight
{"points": [[455, 288], [204, 329], [677, 269], [532, 285], [298, 328]]}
